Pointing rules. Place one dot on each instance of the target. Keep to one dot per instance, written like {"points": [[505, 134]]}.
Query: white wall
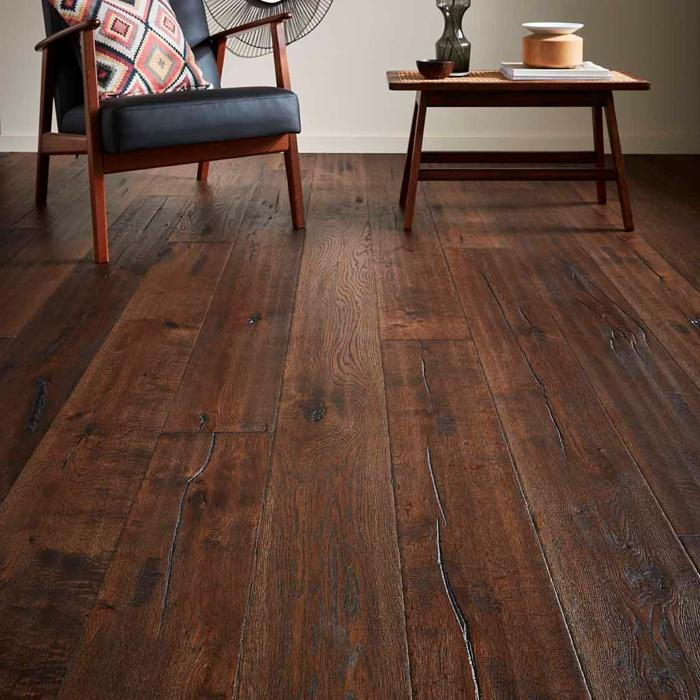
{"points": [[339, 73]]}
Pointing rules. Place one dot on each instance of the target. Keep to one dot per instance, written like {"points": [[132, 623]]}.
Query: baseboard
{"points": [[633, 143]]}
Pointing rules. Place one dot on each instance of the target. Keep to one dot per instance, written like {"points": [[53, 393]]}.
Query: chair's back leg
{"points": [[203, 172], [94, 144], [296, 193], [48, 75]]}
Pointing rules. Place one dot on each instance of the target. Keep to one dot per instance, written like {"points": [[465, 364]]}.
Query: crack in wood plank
{"points": [[176, 530], [38, 405], [425, 379], [73, 450], [436, 491], [540, 383], [581, 280], [459, 615]]}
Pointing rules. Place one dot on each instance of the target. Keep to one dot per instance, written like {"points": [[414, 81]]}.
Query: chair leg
{"points": [[99, 216], [296, 193], [42, 177], [202, 172]]}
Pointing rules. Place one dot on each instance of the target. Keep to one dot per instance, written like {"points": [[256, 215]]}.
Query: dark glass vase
{"points": [[453, 45]]}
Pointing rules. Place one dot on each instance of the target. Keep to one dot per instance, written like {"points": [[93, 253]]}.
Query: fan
{"points": [[306, 16]]}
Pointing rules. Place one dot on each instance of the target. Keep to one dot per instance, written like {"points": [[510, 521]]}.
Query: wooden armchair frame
{"points": [[101, 164]]}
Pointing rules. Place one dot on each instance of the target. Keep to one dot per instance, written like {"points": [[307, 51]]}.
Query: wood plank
{"points": [[466, 212], [159, 628], [667, 303], [48, 357], [17, 183], [600, 526], [233, 380], [417, 299], [482, 614], [646, 386], [667, 208], [38, 267], [23, 289], [13, 240], [650, 399], [61, 521], [326, 614], [218, 213]]}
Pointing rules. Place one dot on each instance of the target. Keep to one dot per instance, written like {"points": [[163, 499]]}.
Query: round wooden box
{"points": [[558, 51]]}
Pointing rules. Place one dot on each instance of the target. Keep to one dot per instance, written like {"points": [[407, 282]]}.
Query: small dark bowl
{"points": [[434, 69]]}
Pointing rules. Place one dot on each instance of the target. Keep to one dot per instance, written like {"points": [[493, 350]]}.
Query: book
{"points": [[586, 71]]}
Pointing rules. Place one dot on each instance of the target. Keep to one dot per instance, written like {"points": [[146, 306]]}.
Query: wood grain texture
{"points": [[232, 382], [335, 627], [416, 297], [593, 522], [61, 521], [159, 627], [305, 560], [668, 210], [652, 402], [458, 496], [48, 357]]}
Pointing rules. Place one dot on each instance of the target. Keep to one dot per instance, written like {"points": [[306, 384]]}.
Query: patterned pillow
{"points": [[140, 47]]}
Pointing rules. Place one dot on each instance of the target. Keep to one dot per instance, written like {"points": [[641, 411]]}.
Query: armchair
{"points": [[131, 132]]}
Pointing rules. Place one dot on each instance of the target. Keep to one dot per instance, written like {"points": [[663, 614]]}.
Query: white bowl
{"points": [[553, 28]]}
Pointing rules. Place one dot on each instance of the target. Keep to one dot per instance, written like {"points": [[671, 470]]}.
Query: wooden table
{"points": [[491, 89]]}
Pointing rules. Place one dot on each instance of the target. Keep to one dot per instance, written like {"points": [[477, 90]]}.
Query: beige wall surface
{"points": [[339, 73]]}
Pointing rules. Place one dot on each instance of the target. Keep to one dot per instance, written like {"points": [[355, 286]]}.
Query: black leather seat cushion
{"points": [[191, 117]]}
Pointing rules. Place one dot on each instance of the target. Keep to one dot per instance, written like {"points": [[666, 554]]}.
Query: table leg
{"points": [[409, 153], [414, 161], [599, 140], [619, 160]]}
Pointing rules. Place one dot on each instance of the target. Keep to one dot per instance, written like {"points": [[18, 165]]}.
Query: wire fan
{"points": [[306, 16]]}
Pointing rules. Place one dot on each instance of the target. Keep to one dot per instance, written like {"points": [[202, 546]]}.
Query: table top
{"points": [[488, 80]]}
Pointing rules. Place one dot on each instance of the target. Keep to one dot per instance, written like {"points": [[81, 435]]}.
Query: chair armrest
{"points": [[88, 26], [273, 19]]}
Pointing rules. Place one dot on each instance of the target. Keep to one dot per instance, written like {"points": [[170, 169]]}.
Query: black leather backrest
{"points": [[69, 92], [190, 14], [192, 18]]}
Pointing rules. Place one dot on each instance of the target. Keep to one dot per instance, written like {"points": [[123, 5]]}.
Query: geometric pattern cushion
{"points": [[139, 46]]}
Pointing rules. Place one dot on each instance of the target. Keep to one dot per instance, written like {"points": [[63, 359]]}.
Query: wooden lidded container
{"points": [[552, 51]]}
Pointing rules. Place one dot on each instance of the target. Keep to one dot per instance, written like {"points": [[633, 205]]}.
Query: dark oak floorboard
{"points": [[61, 521], [416, 297], [48, 357], [592, 507], [489, 623], [233, 380], [668, 210], [225, 457], [334, 627], [159, 627], [639, 350]]}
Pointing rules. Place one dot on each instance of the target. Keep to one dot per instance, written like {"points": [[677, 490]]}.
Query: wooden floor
{"points": [[350, 463]]}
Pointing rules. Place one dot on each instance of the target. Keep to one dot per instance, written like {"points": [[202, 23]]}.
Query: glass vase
{"points": [[453, 45]]}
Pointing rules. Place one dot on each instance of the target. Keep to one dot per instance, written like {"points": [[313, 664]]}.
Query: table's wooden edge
{"points": [[515, 85]]}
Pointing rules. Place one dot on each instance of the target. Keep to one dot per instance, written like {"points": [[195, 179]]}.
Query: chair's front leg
{"points": [[296, 192], [94, 148]]}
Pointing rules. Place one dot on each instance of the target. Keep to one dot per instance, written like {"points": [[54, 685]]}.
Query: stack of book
{"points": [[586, 71]]}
